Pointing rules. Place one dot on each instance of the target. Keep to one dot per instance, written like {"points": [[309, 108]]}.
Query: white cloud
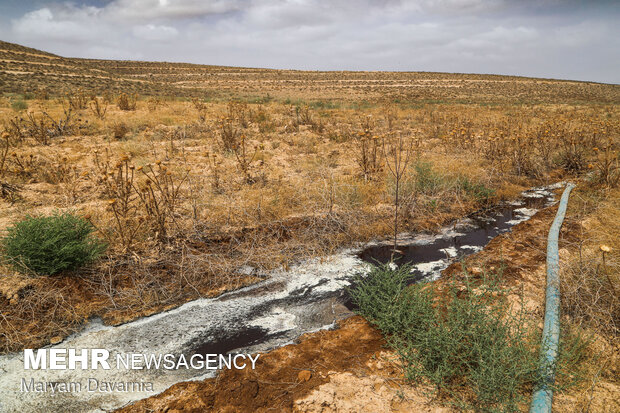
{"points": [[66, 24], [155, 32], [484, 36], [170, 9], [42, 23]]}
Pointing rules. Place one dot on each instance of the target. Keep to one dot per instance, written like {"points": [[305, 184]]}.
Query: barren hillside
{"points": [[24, 69]]}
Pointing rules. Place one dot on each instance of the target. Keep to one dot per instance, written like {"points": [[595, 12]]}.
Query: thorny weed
{"points": [[127, 102], [228, 134], [160, 195], [77, 100], [117, 185], [98, 107], [214, 166], [246, 158], [201, 107], [369, 156], [606, 165]]}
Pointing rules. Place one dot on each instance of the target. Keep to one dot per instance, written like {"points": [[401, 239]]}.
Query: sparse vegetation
{"points": [[98, 107], [77, 100], [120, 130], [590, 276], [127, 102], [19, 105]]}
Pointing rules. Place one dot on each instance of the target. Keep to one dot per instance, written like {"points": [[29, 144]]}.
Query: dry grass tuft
{"points": [[591, 279]]}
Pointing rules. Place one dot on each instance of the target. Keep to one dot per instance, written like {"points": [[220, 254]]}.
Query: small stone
{"points": [[377, 384], [304, 376], [475, 270], [55, 340], [246, 270]]}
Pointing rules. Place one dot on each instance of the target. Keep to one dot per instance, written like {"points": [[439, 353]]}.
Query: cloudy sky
{"points": [[544, 38]]}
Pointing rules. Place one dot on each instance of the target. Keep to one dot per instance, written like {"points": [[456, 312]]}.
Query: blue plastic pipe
{"points": [[543, 395]]}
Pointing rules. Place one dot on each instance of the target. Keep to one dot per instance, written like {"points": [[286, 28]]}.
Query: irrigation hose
{"points": [[543, 395]]}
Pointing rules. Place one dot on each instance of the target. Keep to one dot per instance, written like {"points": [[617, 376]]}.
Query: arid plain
{"points": [[201, 179]]}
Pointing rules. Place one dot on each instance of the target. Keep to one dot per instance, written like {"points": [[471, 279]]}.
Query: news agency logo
{"points": [[97, 358]]}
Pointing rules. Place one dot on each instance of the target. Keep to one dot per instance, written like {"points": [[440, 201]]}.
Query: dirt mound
{"points": [[375, 392]]}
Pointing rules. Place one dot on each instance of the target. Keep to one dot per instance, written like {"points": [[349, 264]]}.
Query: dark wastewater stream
{"points": [[427, 254], [468, 236]]}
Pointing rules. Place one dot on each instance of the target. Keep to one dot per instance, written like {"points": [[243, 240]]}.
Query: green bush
{"points": [[462, 339], [47, 245], [379, 297], [427, 180], [477, 191], [19, 105]]}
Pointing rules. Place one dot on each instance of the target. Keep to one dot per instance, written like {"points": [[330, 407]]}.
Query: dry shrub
{"points": [[247, 160], [214, 166], [591, 280], [589, 293], [127, 102], [14, 131], [572, 156], [116, 182], [153, 103], [201, 107], [8, 191], [77, 100], [4, 152], [151, 202], [160, 194], [369, 157], [120, 130], [304, 115], [301, 115], [264, 120], [228, 134], [398, 151], [607, 165], [239, 112], [41, 127], [98, 107]]}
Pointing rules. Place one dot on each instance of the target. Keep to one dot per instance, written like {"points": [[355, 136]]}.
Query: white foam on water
{"points": [[275, 322], [428, 268], [450, 251], [472, 248], [528, 212]]}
